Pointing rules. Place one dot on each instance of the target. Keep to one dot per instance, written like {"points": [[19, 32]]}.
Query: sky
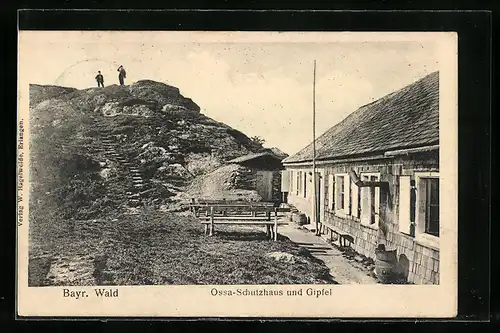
{"points": [[258, 85]]}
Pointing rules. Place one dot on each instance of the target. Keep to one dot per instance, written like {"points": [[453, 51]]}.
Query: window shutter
{"points": [[354, 200], [330, 191], [404, 204], [336, 192], [347, 181]]}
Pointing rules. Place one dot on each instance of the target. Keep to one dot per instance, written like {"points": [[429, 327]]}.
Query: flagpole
{"points": [[315, 214]]}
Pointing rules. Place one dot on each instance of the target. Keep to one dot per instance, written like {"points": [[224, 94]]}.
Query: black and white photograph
{"points": [[249, 167]]}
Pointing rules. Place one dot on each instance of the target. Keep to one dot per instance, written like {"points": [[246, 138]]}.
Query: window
{"points": [[373, 201], [341, 191], [432, 206], [427, 208], [342, 194], [370, 201]]}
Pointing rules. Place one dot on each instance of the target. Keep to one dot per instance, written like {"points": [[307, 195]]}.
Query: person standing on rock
{"points": [[122, 75], [100, 79]]}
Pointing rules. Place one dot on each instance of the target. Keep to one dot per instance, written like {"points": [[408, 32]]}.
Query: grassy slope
{"points": [[155, 248]]}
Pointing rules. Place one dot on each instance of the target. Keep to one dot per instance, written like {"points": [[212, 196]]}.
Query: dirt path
{"points": [[342, 269]]}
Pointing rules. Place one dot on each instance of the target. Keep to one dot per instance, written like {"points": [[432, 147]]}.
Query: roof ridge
{"points": [[408, 86], [370, 126]]}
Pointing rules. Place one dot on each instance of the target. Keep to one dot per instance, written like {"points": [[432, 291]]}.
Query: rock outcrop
{"points": [[98, 149]]}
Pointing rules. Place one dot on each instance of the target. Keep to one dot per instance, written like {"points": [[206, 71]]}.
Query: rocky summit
{"points": [[99, 149]]}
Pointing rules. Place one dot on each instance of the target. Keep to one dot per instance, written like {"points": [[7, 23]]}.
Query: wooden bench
{"points": [[232, 208], [241, 214], [345, 239]]}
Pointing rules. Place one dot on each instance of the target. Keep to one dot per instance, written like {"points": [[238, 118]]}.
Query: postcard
{"points": [[237, 174]]}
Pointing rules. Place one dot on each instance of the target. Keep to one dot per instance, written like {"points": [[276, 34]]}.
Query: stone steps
{"points": [[112, 149]]}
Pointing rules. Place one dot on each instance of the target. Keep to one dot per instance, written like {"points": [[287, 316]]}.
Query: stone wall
{"points": [[420, 264], [246, 178], [418, 261]]}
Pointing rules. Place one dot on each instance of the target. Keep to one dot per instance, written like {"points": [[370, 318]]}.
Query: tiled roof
{"points": [[250, 157], [406, 118]]}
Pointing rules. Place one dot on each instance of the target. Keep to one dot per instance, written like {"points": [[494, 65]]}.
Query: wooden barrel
{"points": [[299, 218], [385, 265]]}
